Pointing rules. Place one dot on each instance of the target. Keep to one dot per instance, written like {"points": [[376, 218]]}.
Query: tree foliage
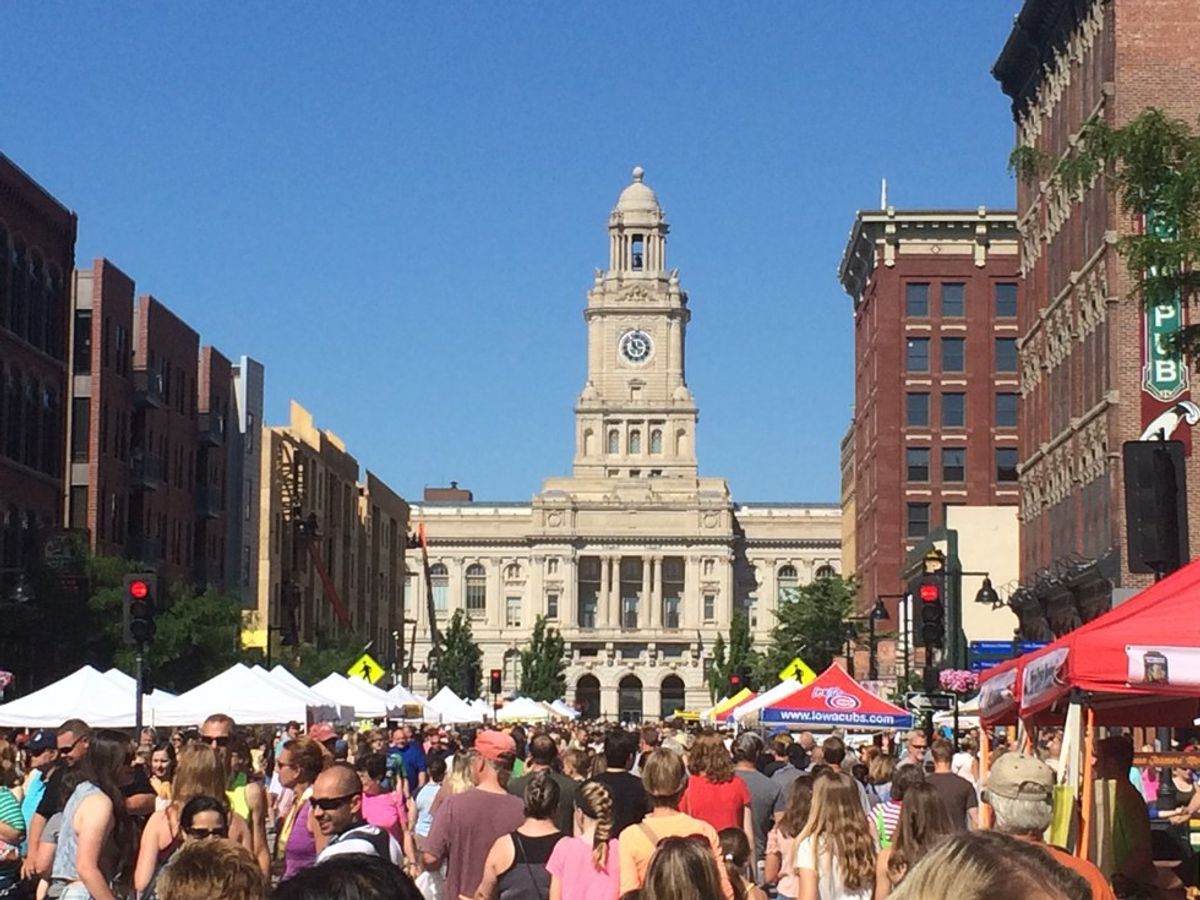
{"points": [[543, 663], [735, 657], [1153, 164], [459, 659], [811, 624], [330, 652]]}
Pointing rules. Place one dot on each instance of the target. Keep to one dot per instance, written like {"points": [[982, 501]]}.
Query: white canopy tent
{"points": [[129, 683], [369, 701], [404, 698], [483, 709], [344, 712], [523, 709], [968, 714], [751, 707], [250, 698], [452, 710], [84, 694], [564, 709]]}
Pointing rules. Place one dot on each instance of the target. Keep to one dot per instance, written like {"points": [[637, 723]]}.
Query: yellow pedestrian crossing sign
{"points": [[366, 668], [798, 669]]}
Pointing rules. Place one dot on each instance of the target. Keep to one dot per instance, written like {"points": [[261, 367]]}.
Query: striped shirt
{"points": [[884, 819], [10, 815]]}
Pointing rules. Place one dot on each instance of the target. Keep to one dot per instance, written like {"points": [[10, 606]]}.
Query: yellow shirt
{"points": [[635, 846]]}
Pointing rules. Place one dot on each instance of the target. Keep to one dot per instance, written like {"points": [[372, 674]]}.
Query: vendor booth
{"points": [[835, 700]]}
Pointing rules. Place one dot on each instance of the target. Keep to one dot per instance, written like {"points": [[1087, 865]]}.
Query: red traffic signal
{"points": [[139, 609], [735, 681], [929, 593], [495, 681], [139, 589]]}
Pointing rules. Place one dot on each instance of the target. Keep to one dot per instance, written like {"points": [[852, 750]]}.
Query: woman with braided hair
{"points": [[586, 865]]}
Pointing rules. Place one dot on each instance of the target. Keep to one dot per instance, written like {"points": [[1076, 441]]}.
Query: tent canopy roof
{"points": [[835, 699]]}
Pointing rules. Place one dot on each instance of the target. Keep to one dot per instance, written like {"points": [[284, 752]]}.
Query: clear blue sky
{"points": [[397, 207]]}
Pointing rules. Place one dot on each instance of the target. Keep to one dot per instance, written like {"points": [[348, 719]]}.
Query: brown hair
{"points": [[198, 773], [881, 769], [212, 869], [923, 822], [941, 750], [735, 857], [799, 805], [310, 757], [664, 777], [681, 868], [580, 762], [9, 776], [708, 757], [595, 802], [837, 825]]}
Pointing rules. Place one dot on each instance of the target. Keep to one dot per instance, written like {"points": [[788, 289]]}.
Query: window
{"points": [[552, 606], [954, 410], [82, 364], [916, 410], [1006, 463], [954, 463], [512, 612], [476, 590], [710, 607], [1006, 354], [825, 572], [953, 359], [953, 293], [635, 442], [672, 590], [916, 299], [614, 441], [1006, 410], [917, 358], [670, 613], [1006, 300], [638, 252], [918, 520], [656, 441], [788, 580], [631, 590], [588, 583], [917, 460]]}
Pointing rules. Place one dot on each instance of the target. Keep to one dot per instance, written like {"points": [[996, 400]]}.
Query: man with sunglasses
{"points": [[71, 743], [337, 808], [249, 800]]}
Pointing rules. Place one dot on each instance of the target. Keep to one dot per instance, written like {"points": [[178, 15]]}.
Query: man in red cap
{"points": [[466, 825]]}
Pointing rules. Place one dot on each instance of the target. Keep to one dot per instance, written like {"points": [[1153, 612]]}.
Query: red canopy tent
{"points": [[1138, 664], [835, 699]]}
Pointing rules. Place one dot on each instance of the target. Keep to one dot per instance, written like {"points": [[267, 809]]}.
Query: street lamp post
{"points": [[878, 613]]}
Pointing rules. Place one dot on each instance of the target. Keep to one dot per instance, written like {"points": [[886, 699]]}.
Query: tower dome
{"points": [[638, 197]]}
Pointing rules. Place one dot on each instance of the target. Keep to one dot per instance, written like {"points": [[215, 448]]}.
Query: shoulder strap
{"points": [[650, 835]]}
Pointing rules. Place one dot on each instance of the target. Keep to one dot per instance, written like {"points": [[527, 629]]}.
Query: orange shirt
{"points": [[1101, 889], [636, 847]]}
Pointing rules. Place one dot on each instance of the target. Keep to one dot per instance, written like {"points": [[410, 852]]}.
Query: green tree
{"points": [[330, 652], [735, 657], [1153, 164], [543, 663], [810, 623], [718, 675], [459, 659]]}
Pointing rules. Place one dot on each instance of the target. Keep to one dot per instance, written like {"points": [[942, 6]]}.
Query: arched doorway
{"points": [[587, 696], [672, 692], [629, 699]]}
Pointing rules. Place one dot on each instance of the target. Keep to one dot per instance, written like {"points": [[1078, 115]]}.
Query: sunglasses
{"points": [[328, 804], [63, 751], [202, 833], [222, 741]]}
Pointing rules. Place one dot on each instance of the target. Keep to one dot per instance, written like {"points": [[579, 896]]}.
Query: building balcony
{"points": [[148, 389], [146, 471], [211, 429], [143, 549], [209, 502]]}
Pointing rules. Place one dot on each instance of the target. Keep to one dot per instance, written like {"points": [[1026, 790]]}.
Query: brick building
{"points": [[37, 253], [1088, 377], [936, 381]]}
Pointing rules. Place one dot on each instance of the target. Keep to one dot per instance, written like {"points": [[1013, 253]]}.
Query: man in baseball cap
{"points": [[41, 752], [1020, 790], [467, 824]]}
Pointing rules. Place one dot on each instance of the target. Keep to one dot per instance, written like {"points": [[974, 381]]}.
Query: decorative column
{"points": [[603, 619], [656, 590], [647, 602]]}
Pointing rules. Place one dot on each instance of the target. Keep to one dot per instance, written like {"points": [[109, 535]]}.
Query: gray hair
{"points": [[1026, 816]]}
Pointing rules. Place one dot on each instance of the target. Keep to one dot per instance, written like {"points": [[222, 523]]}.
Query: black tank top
{"points": [[527, 878]]}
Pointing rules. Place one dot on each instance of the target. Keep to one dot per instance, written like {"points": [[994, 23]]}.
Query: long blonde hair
{"points": [[595, 802], [199, 773], [837, 823]]}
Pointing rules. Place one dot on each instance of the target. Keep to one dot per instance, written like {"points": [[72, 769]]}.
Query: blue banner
{"points": [[847, 719]]}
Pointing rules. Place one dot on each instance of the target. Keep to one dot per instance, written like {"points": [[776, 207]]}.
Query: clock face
{"points": [[636, 346]]}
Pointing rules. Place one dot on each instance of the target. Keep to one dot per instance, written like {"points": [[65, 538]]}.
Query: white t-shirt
{"points": [[829, 874]]}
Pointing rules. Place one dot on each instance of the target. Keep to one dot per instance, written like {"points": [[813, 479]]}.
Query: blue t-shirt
{"points": [[414, 763], [29, 805]]}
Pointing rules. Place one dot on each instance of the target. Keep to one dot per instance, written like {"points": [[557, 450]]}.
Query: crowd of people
{"points": [[548, 812]]}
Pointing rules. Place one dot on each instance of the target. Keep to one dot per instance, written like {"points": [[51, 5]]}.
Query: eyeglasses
{"points": [[202, 833], [917, 746], [328, 804], [64, 751], [219, 741]]}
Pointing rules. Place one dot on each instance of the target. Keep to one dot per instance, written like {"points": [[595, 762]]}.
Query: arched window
{"points": [[37, 302], [20, 288], [476, 590], [589, 442], [672, 693], [826, 571], [656, 441], [512, 571], [440, 579], [635, 442], [788, 580], [629, 699], [587, 696], [614, 441], [32, 417], [13, 384]]}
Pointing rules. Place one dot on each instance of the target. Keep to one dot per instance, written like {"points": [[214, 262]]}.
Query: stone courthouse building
{"points": [[638, 559]]}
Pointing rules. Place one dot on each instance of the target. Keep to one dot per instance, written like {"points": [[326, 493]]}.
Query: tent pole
{"points": [[1087, 811], [985, 764]]}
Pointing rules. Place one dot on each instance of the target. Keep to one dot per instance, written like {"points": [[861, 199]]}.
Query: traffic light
{"points": [[930, 622], [495, 681], [735, 683], [141, 601]]}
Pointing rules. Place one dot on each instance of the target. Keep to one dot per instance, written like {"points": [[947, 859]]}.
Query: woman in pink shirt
{"points": [[587, 865], [385, 809]]}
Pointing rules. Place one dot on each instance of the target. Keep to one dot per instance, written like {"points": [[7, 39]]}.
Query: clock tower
{"points": [[635, 417]]}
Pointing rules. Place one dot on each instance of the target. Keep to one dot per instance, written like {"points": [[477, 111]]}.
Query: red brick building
{"points": [[936, 382], [37, 254], [212, 470], [1089, 377]]}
